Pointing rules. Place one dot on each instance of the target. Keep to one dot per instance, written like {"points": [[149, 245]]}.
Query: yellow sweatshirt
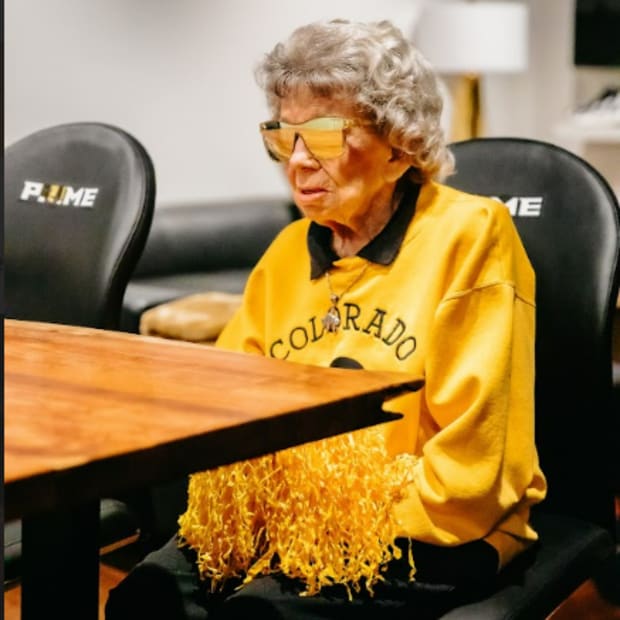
{"points": [[449, 294]]}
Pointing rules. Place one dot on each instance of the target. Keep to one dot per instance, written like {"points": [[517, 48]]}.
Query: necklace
{"points": [[331, 321]]}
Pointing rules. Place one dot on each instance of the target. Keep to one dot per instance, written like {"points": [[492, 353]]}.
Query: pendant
{"points": [[331, 321]]}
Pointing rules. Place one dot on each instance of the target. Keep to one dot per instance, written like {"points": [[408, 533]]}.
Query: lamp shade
{"points": [[473, 37]]}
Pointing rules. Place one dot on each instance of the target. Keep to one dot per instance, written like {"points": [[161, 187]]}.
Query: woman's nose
{"points": [[301, 155]]}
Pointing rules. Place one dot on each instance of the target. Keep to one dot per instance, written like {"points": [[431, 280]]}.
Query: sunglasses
{"points": [[323, 136]]}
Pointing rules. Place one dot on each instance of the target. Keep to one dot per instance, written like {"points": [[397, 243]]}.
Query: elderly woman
{"points": [[388, 269]]}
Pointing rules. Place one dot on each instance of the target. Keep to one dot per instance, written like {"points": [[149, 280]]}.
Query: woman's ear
{"points": [[396, 154], [397, 165]]}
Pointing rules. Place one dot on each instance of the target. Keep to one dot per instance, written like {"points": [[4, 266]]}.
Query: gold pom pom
{"points": [[321, 513]]}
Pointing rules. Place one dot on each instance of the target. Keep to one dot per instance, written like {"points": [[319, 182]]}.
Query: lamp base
{"points": [[467, 119]]}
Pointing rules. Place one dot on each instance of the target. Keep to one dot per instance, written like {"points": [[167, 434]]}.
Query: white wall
{"points": [[179, 76], [176, 74], [530, 104]]}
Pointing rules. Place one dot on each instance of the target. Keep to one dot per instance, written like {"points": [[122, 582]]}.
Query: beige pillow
{"points": [[196, 318]]}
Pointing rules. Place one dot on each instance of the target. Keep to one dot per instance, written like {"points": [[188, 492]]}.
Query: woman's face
{"points": [[347, 190]]}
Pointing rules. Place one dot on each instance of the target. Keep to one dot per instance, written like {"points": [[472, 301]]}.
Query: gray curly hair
{"points": [[374, 65]]}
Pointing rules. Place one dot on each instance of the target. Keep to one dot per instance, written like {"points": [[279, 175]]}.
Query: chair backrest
{"points": [[568, 219], [78, 205]]}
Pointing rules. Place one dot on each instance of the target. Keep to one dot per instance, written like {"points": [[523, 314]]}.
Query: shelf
{"points": [[586, 135]]}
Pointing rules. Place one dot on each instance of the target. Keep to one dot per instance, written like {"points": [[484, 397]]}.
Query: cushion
{"points": [[195, 318]]}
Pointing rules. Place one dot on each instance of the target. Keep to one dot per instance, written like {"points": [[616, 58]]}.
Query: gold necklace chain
{"points": [[331, 321]]}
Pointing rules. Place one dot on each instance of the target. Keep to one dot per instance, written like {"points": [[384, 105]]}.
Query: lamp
{"points": [[464, 40]]}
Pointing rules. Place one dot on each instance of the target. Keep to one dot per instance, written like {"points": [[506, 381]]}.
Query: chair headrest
{"points": [[78, 204]]}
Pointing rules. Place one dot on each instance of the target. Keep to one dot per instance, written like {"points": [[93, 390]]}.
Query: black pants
{"points": [[166, 585]]}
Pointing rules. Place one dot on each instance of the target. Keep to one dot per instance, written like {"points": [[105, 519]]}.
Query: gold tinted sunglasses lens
{"points": [[323, 137], [279, 143], [324, 143]]}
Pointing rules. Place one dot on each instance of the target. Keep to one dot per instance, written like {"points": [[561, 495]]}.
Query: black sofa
{"points": [[201, 247]]}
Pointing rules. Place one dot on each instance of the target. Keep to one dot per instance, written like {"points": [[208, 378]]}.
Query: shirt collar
{"points": [[382, 250]]}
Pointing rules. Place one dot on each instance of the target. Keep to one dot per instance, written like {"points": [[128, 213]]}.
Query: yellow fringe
{"points": [[321, 513]]}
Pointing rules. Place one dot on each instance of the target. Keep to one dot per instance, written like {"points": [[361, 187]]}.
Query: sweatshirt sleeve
{"points": [[478, 456], [244, 331]]}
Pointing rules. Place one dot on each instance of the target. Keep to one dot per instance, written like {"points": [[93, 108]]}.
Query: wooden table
{"points": [[89, 413]]}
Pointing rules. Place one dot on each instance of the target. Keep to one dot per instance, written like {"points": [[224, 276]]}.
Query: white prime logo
{"points": [[61, 195], [522, 206]]}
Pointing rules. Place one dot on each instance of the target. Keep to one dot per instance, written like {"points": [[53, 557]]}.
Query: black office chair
{"points": [[78, 205], [568, 219]]}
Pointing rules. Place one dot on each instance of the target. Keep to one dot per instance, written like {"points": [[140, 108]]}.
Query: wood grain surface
{"points": [[88, 411]]}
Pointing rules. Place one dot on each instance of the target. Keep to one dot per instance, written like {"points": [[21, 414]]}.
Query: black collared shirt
{"points": [[382, 249]]}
